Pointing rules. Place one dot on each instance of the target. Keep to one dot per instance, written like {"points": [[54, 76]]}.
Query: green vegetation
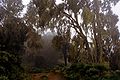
{"points": [[88, 72], [85, 44], [9, 68]]}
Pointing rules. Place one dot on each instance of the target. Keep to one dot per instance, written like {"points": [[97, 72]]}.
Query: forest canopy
{"points": [[85, 33], [95, 36]]}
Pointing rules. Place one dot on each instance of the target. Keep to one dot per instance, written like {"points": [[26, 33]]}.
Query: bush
{"points": [[9, 67], [84, 72], [39, 70], [3, 78], [111, 75]]}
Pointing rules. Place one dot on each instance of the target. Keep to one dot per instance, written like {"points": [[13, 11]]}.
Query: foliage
{"points": [[12, 37], [57, 42], [79, 71], [95, 30], [3, 78], [9, 66], [94, 39], [95, 36], [44, 78], [87, 72], [39, 70]]}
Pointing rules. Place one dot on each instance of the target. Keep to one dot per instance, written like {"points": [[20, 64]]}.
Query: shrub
{"points": [[3, 78], [9, 67], [39, 70], [84, 71]]}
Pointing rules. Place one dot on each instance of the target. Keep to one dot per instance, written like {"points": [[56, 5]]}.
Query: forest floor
{"points": [[47, 76]]}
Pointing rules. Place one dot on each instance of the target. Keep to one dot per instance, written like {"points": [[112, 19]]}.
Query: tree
{"points": [[10, 8], [38, 14], [12, 37], [91, 21]]}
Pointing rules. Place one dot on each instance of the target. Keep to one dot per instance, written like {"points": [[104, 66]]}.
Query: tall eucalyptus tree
{"points": [[92, 22]]}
